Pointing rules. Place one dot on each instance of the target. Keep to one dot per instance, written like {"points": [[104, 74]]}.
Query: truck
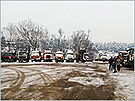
{"points": [[36, 56], [125, 60], [2, 56], [129, 58], [121, 54], [47, 56], [59, 56], [10, 57], [86, 57], [104, 57], [69, 56], [23, 56], [80, 54]]}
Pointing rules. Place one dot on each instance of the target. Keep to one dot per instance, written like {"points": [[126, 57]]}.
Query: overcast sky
{"points": [[108, 20]]}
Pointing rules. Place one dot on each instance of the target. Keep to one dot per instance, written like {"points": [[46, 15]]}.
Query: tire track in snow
{"points": [[44, 76], [8, 93], [46, 79]]}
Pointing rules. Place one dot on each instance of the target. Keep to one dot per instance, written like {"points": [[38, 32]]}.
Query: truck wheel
{"points": [[50, 60], [56, 61], [27, 60]]}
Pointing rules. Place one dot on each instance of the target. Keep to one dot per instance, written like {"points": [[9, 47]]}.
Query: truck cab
{"points": [[79, 55], [130, 59], [47, 55], [36, 56], [59, 56], [23, 56], [69, 56], [10, 57], [86, 57], [121, 54]]}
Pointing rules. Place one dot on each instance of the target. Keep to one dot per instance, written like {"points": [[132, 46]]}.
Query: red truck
{"points": [[10, 57], [36, 56], [121, 55]]}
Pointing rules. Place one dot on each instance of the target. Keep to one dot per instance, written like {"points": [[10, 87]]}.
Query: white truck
{"points": [[23, 56], [47, 56], [59, 56], [69, 56], [86, 57], [104, 57]]}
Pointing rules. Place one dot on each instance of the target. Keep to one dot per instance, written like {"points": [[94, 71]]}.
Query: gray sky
{"points": [[108, 20]]}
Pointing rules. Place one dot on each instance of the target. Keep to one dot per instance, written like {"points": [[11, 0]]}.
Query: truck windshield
{"points": [[22, 53], [86, 54], [59, 54], [48, 53], [70, 53], [124, 53], [125, 58], [8, 54], [35, 52]]}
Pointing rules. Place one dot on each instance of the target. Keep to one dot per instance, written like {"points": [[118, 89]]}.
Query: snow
{"points": [[125, 80], [69, 63], [88, 62], [28, 63], [101, 73], [69, 51], [118, 74], [5, 88], [89, 69], [87, 81], [100, 62]]}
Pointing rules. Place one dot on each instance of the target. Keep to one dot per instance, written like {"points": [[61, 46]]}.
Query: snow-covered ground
{"points": [[22, 76]]}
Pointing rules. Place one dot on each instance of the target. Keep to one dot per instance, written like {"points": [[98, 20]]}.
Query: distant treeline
{"points": [[113, 46]]}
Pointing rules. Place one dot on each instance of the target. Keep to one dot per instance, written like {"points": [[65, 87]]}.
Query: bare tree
{"points": [[10, 34], [81, 39], [31, 32], [59, 41]]}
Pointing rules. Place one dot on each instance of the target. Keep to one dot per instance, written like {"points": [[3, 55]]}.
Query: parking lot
{"points": [[65, 81]]}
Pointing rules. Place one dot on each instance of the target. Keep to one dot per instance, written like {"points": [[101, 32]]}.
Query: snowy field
{"points": [[65, 81]]}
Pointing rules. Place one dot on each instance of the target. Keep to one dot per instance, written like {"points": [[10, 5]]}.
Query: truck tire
{"points": [[56, 61], [27, 60]]}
